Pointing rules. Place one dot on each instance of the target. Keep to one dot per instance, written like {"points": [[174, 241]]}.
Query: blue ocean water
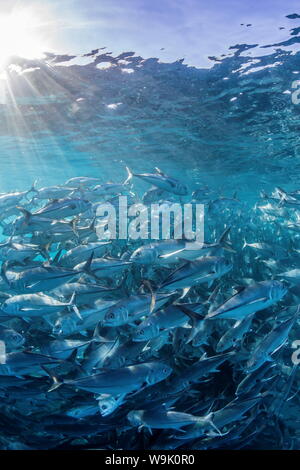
{"points": [[230, 131], [234, 125]]}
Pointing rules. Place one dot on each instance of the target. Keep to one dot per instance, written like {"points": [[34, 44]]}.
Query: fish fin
{"points": [[44, 251], [147, 283], [129, 177], [25, 212], [56, 382]]}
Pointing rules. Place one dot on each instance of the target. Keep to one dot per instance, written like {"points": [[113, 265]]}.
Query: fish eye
{"points": [[104, 407], [111, 316], [141, 332]]}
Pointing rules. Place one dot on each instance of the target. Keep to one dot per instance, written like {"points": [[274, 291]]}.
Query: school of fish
{"points": [[148, 344]]}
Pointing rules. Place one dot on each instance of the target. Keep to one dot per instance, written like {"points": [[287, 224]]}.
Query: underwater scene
{"points": [[149, 249]]}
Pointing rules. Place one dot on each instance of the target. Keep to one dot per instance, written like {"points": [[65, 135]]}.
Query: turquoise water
{"points": [[232, 129], [233, 126]]}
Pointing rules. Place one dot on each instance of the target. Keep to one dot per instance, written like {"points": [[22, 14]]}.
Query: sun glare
{"points": [[21, 35]]}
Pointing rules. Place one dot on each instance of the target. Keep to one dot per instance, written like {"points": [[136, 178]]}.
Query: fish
{"points": [[25, 363], [252, 379], [28, 223], [118, 381], [204, 270], [9, 200], [292, 276], [235, 334], [252, 299], [13, 252], [169, 252], [124, 354], [31, 305], [103, 268], [201, 368], [61, 208], [81, 181], [160, 419], [108, 403], [270, 344], [39, 279], [12, 338], [72, 323], [132, 308], [52, 192]]}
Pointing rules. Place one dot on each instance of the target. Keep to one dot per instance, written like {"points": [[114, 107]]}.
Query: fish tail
{"points": [[129, 176], [93, 224]]}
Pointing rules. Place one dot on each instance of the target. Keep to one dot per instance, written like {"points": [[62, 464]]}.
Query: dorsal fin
{"points": [[92, 226], [25, 212], [159, 171]]}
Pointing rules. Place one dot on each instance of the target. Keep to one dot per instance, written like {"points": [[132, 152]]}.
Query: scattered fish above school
{"points": [[154, 343]]}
